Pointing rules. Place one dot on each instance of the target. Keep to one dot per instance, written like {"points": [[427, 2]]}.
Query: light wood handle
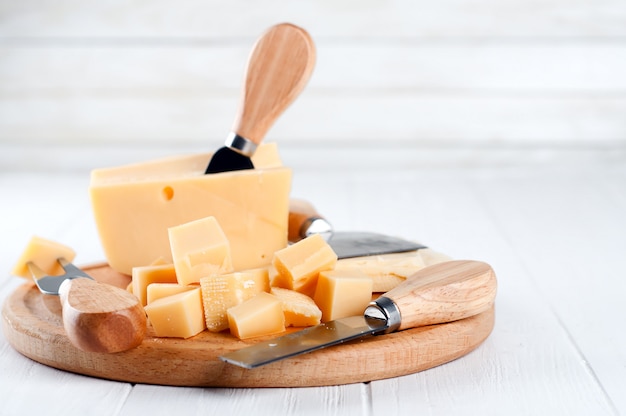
{"points": [[279, 67], [101, 318], [445, 292]]}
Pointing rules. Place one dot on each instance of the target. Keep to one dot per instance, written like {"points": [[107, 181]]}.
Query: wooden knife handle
{"points": [[279, 67], [304, 220], [101, 318], [444, 292]]}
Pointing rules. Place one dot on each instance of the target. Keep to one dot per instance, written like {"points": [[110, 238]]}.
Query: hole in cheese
{"points": [[168, 193]]}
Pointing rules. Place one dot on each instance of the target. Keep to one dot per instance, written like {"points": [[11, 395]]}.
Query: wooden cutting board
{"points": [[32, 324]]}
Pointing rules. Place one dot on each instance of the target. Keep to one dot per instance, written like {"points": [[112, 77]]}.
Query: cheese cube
{"points": [[220, 292], [134, 205], [44, 254], [177, 316], [299, 309], [199, 249], [258, 316], [145, 275], [342, 293], [386, 270], [299, 264], [162, 290]]}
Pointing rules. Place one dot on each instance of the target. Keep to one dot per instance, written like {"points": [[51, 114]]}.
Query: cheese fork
{"points": [[97, 317]]}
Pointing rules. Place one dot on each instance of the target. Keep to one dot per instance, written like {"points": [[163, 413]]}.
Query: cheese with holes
{"points": [[162, 290], [145, 275], [134, 206], [44, 254], [386, 270], [220, 292], [258, 316], [199, 249], [299, 309], [298, 265], [341, 293], [177, 316]]}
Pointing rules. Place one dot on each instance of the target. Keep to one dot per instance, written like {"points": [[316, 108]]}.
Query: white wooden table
{"points": [[553, 226]]}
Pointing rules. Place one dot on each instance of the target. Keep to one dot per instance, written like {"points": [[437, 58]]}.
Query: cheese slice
{"points": [[220, 292], [341, 293], [134, 205], [162, 290], [298, 265], [199, 249], [178, 316], [145, 275], [299, 309], [258, 316], [386, 270], [44, 254]]}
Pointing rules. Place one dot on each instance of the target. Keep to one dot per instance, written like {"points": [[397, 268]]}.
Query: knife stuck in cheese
{"points": [[134, 205]]}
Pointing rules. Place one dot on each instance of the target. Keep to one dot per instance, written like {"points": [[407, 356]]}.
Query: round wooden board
{"points": [[32, 324]]}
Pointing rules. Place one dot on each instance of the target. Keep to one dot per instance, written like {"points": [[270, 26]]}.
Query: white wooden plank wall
{"points": [[136, 79]]}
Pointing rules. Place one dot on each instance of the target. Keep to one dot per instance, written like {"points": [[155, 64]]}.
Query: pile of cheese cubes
{"points": [[200, 290]]}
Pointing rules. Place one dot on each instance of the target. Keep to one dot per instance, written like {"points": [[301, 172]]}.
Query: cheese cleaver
{"points": [[304, 220], [443, 292]]}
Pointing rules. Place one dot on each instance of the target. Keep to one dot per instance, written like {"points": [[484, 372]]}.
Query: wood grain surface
{"points": [[32, 324]]}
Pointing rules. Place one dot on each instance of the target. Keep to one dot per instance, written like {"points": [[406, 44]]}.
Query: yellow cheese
{"points": [[258, 316], [430, 257], [145, 275], [220, 292], [387, 270], [44, 254], [162, 290], [342, 293], [199, 249], [299, 309], [178, 316], [134, 205], [299, 264]]}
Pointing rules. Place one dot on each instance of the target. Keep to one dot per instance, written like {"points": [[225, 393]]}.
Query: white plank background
{"points": [[493, 130]]}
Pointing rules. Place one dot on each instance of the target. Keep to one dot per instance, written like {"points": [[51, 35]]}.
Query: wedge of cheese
{"points": [[341, 293], [199, 249], [134, 206], [177, 316], [44, 254], [143, 276], [386, 270], [220, 292], [299, 309], [298, 265], [258, 316]]}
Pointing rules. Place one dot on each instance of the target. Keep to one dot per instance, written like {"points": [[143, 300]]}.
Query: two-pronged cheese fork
{"points": [[97, 317]]}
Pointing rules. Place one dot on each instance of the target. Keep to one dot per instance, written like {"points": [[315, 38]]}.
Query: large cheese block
{"points": [[134, 205]]}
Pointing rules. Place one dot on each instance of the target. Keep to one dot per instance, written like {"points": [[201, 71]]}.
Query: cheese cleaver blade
{"points": [[304, 221], [443, 292]]}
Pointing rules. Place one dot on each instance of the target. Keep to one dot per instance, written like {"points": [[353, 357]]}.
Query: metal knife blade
{"points": [[307, 340], [304, 220], [440, 293]]}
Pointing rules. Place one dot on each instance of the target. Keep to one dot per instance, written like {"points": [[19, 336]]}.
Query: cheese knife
{"points": [[279, 67], [437, 294], [304, 221]]}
